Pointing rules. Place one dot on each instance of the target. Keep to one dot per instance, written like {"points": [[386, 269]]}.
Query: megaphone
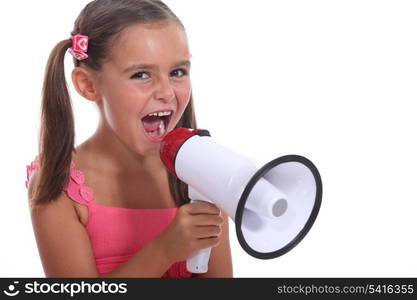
{"points": [[273, 207]]}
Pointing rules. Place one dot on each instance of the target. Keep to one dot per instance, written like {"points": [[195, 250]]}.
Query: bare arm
{"points": [[63, 244]]}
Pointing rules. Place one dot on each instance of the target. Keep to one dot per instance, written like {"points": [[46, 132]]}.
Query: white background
{"points": [[334, 81]]}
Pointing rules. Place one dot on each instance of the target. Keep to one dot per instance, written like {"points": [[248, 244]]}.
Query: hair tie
{"points": [[79, 46]]}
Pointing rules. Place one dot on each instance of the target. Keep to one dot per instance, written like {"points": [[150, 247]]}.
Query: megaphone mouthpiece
{"points": [[280, 207], [266, 200]]}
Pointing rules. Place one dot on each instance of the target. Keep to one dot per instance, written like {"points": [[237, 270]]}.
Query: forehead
{"points": [[154, 44]]}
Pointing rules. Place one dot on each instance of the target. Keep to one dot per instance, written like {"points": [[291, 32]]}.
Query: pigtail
{"points": [[56, 137]]}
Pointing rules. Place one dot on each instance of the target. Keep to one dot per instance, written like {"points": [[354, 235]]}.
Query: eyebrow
{"points": [[181, 63]]}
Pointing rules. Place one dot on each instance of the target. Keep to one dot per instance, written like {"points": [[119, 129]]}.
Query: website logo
{"points": [[70, 288], [11, 290]]}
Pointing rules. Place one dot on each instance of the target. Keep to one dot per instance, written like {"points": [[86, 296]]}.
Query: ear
{"points": [[85, 84]]}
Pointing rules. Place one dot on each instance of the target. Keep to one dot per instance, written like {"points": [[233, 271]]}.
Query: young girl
{"points": [[109, 207]]}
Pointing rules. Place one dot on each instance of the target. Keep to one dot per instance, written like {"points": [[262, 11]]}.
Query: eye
{"points": [[140, 75], [179, 73]]}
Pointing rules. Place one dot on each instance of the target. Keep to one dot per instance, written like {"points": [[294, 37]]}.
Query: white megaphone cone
{"points": [[273, 207]]}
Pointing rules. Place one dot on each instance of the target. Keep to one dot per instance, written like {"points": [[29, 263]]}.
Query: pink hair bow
{"points": [[79, 46]]}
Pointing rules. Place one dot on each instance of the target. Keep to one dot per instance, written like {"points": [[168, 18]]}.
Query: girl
{"points": [[109, 207]]}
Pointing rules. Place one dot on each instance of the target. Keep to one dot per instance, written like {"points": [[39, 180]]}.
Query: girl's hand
{"points": [[196, 226]]}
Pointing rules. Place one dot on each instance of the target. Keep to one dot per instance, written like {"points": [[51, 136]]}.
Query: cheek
{"points": [[122, 106], [125, 97], [183, 94]]}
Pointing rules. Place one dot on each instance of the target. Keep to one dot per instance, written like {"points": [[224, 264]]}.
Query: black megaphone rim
{"points": [[241, 205]]}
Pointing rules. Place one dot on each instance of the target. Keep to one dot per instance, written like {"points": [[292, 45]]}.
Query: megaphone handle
{"points": [[198, 261]]}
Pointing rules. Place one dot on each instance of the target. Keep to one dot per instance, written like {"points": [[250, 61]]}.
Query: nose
{"points": [[164, 90]]}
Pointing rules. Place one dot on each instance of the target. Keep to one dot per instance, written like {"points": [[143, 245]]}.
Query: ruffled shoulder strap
{"points": [[75, 189], [30, 169]]}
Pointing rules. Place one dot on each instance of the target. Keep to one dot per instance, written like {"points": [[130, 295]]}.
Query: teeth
{"points": [[160, 114], [164, 113]]}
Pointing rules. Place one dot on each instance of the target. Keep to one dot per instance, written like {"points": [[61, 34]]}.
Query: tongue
{"points": [[151, 123]]}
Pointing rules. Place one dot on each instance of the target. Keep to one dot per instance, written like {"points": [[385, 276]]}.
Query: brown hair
{"points": [[102, 21]]}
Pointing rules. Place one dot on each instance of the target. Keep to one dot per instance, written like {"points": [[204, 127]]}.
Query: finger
{"points": [[203, 207], [208, 242], [206, 220], [202, 232]]}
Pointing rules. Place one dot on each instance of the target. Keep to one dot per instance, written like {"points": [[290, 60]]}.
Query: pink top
{"points": [[116, 233]]}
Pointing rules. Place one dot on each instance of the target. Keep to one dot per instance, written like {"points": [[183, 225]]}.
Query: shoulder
{"points": [[61, 208], [62, 202], [75, 189]]}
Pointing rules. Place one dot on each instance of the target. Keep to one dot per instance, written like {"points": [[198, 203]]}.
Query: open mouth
{"points": [[155, 124]]}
